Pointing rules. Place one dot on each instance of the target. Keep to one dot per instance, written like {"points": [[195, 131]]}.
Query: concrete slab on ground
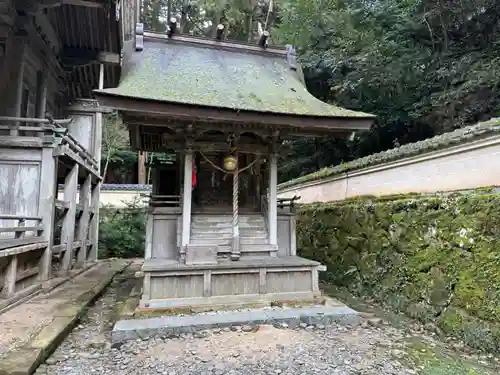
{"points": [[132, 329], [30, 332]]}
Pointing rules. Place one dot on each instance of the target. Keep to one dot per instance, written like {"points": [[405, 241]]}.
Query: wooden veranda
{"points": [[53, 53]]}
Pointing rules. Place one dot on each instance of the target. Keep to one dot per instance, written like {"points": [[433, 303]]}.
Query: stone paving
{"points": [[371, 348]]}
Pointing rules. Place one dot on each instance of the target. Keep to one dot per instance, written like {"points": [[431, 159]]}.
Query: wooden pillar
{"points": [[94, 207], [141, 168], [46, 207], [84, 220], [18, 79], [94, 227], [257, 185], [148, 250], [272, 207], [41, 96], [68, 226], [186, 198]]}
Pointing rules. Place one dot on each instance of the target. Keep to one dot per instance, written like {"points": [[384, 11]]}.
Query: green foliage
{"points": [[423, 67], [434, 258], [122, 231], [411, 149]]}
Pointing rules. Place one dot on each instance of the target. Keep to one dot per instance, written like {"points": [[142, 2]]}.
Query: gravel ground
{"points": [[372, 348]]}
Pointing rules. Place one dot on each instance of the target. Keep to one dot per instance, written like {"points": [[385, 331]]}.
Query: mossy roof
{"points": [[207, 76], [442, 141]]}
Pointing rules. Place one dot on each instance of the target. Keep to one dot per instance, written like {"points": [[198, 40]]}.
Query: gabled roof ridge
{"points": [[228, 45]]}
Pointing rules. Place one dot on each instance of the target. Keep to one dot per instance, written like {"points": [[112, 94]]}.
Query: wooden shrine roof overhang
{"points": [[79, 35], [187, 79]]}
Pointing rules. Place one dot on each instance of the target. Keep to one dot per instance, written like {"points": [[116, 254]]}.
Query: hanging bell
{"points": [[230, 163]]}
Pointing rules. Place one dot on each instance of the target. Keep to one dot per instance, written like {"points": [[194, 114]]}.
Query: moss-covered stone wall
{"points": [[435, 258]]}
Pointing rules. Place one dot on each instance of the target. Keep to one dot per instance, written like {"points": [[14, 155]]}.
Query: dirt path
{"points": [[374, 348]]}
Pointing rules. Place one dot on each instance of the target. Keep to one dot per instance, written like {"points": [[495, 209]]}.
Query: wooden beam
{"points": [[213, 147], [109, 58], [47, 32], [213, 43], [194, 113], [80, 3], [83, 56]]}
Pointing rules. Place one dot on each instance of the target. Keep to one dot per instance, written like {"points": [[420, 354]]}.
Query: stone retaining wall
{"points": [[435, 258]]}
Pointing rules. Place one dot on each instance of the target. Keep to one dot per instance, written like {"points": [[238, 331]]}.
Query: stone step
{"points": [[228, 225], [224, 241], [226, 219], [227, 235], [228, 230], [248, 248]]}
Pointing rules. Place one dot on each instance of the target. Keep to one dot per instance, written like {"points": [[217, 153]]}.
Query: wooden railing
{"points": [[14, 241], [287, 203], [17, 126], [264, 209], [164, 200], [21, 234]]}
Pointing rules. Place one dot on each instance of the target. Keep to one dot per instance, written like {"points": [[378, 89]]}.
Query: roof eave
{"points": [[206, 113]]}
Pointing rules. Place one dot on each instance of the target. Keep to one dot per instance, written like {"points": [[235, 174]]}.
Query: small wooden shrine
{"points": [[216, 232]]}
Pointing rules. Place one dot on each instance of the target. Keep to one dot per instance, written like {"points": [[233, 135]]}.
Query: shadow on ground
{"points": [[425, 351]]}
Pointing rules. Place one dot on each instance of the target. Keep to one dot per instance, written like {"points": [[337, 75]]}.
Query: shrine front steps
{"points": [[229, 284]]}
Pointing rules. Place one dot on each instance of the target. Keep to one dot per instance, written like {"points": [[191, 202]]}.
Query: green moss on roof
{"points": [[411, 149], [206, 76]]}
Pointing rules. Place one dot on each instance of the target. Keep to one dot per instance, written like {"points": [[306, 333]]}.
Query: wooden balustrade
{"points": [[163, 200], [21, 273], [284, 203], [19, 233], [15, 241], [45, 127]]}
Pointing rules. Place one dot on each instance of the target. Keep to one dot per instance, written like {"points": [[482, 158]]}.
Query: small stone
{"points": [[235, 354], [320, 326], [375, 322], [399, 354], [200, 334], [217, 331], [247, 328], [235, 328], [303, 325], [116, 345], [309, 328], [51, 361]]}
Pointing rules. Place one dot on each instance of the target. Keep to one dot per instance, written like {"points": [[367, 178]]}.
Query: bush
{"points": [[122, 232], [434, 258]]}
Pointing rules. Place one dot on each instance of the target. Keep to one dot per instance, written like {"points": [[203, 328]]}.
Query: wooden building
{"points": [[53, 53], [216, 233]]}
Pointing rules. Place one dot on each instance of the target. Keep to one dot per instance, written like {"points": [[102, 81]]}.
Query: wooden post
{"points": [[148, 251], [41, 96], [18, 77], [272, 207], [94, 206], [257, 185], [186, 198], [68, 227], [141, 168], [83, 221], [46, 207], [94, 227], [9, 284]]}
